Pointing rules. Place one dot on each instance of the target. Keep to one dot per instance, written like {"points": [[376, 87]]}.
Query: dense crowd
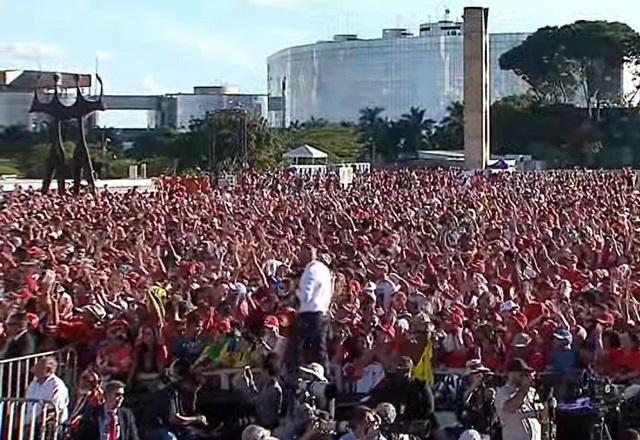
{"points": [[428, 268]]}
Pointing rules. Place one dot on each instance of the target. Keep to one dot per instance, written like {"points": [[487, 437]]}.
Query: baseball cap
{"points": [[607, 319], [564, 336], [508, 307], [518, 365], [521, 340]]}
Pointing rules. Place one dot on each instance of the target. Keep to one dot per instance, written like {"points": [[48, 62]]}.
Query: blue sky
{"points": [[155, 46], [166, 46]]}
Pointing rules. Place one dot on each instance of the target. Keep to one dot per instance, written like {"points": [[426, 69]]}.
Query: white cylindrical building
{"points": [[333, 80]]}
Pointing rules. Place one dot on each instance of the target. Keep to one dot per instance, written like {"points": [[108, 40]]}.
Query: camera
{"points": [[316, 392]]}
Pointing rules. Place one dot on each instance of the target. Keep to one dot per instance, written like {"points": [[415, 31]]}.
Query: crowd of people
{"points": [[439, 268]]}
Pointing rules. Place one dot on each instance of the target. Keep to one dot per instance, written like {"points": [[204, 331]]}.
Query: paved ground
{"points": [[8, 185]]}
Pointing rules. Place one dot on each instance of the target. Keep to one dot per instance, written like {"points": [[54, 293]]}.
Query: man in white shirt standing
{"points": [[515, 404], [49, 387], [312, 318]]}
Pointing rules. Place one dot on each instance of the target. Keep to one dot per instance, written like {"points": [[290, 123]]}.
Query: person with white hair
{"points": [[48, 387]]}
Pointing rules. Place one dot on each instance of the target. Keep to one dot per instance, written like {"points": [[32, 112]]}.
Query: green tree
{"points": [[371, 131], [448, 134], [417, 131], [578, 62], [541, 62]]}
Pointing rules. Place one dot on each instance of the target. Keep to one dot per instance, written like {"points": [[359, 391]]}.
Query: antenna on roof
{"points": [[447, 14]]}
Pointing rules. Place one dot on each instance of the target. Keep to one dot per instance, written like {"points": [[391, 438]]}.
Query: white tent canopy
{"points": [[306, 152]]}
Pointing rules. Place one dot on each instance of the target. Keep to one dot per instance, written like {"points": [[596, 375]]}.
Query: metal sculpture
{"points": [[78, 111]]}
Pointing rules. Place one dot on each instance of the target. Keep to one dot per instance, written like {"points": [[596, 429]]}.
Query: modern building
{"points": [[164, 111], [16, 94], [177, 110], [334, 79]]}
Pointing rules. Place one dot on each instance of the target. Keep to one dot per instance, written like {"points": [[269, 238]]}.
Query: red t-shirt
{"points": [[617, 360], [120, 358], [79, 331]]}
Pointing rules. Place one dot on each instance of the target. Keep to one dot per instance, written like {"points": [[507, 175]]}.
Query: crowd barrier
{"points": [[16, 374], [27, 419]]}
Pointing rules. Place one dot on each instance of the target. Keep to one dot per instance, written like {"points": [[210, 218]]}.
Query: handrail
{"points": [[16, 374], [28, 419]]}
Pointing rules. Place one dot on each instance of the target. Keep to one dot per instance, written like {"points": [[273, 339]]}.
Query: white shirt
{"points": [[385, 290], [315, 288], [371, 377], [53, 390], [521, 425]]}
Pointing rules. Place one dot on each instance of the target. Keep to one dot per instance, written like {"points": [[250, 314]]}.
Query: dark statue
{"points": [[59, 112]]}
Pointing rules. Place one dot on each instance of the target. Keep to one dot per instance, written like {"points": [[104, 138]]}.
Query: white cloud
{"points": [[153, 86], [29, 51]]}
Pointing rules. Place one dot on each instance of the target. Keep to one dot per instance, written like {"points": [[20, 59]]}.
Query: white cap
{"points": [[402, 324], [508, 307], [470, 434]]}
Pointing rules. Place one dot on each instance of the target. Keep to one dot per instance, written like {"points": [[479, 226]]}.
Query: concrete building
{"points": [[177, 110], [16, 94], [164, 111], [335, 79]]}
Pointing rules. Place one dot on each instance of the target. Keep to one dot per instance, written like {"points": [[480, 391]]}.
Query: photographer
{"points": [[267, 395], [365, 425], [412, 398], [515, 404], [478, 398]]}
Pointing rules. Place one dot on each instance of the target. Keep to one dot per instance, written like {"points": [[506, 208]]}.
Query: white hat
{"points": [[402, 324], [387, 412], [255, 432], [370, 286], [470, 434], [314, 369], [475, 366], [508, 307], [238, 288]]}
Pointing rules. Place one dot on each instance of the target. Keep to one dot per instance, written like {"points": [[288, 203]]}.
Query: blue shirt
{"points": [[563, 361], [188, 349]]}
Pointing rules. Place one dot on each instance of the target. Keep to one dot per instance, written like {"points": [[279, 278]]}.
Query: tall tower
{"points": [[477, 97]]}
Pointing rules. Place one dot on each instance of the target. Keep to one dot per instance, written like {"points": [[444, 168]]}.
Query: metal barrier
{"points": [[16, 374], [27, 419]]}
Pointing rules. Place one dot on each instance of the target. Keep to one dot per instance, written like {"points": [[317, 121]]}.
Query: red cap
{"points": [[520, 320], [607, 320], [33, 320], [271, 322]]}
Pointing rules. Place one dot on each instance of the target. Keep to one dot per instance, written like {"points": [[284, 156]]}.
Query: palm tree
{"points": [[315, 123], [371, 128], [417, 131], [449, 133]]}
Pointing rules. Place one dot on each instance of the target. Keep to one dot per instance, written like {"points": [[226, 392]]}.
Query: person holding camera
{"points": [[515, 404], [365, 425], [267, 395], [478, 398]]}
